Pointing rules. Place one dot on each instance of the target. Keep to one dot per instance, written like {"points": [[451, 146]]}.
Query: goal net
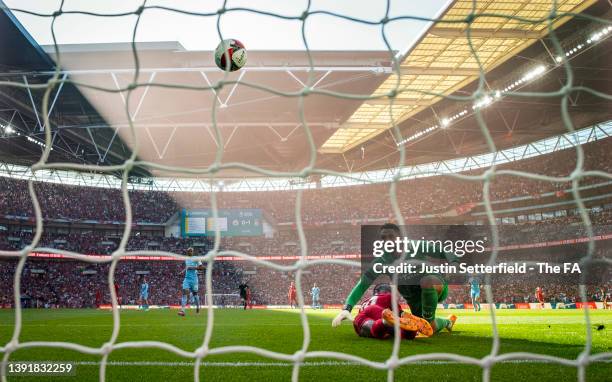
{"points": [[223, 300], [467, 20]]}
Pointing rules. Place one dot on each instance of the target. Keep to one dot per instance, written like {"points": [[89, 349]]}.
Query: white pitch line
{"points": [[285, 364], [178, 324]]}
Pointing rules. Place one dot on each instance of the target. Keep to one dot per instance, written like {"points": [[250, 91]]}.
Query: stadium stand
{"points": [[342, 204], [52, 282]]}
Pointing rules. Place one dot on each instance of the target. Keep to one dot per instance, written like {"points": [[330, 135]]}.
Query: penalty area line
{"points": [[289, 364]]}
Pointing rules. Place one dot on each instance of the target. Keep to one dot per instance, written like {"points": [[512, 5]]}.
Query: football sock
{"points": [[379, 329], [441, 323], [429, 303], [183, 301], [197, 301]]}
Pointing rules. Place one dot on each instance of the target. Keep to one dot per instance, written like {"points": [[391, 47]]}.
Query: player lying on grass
{"points": [[190, 282], [376, 319], [422, 296]]}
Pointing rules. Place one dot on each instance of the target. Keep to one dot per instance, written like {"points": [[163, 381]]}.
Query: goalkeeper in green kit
{"points": [[422, 296]]}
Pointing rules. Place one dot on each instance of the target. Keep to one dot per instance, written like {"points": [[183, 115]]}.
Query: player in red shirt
{"points": [[98, 298], [248, 299], [117, 294], [292, 295], [375, 318], [540, 296]]}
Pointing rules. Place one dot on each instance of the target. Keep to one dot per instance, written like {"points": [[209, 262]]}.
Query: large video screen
{"points": [[230, 221]]}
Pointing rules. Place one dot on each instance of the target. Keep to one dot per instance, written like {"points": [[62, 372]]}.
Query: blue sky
{"points": [[255, 31]]}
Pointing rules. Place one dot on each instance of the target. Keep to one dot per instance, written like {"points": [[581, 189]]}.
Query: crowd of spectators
{"points": [[59, 201], [320, 241], [72, 284], [53, 282], [69, 283], [510, 290], [338, 204]]}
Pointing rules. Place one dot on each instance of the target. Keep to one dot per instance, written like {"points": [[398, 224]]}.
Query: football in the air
{"points": [[234, 51]]}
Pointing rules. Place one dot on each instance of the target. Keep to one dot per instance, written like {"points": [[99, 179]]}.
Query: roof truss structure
{"points": [[443, 62]]}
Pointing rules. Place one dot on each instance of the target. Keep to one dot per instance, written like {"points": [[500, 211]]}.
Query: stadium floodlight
{"points": [[37, 142], [534, 73], [417, 135], [497, 95], [594, 38], [487, 100], [8, 129], [483, 102]]}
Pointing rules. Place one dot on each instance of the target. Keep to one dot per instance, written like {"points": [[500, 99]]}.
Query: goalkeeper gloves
{"points": [[343, 315]]}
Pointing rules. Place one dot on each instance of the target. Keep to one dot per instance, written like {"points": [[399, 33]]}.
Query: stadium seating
{"points": [[416, 197], [69, 283]]}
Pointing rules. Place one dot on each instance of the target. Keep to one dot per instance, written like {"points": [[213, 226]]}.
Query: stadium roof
{"points": [[549, 145], [175, 125], [260, 128], [22, 61], [445, 60]]}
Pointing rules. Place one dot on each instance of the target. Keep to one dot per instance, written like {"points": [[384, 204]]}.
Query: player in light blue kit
{"points": [[475, 293], [315, 292], [144, 294], [190, 282]]}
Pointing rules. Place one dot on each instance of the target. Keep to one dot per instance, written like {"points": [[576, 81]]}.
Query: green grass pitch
{"points": [[559, 333]]}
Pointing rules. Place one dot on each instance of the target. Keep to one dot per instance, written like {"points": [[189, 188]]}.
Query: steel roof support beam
{"points": [[233, 89], [40, 125], [214, 69], [438, 71], [227, 141], [545, 146], [449, 32], [109, 144], [95, 145], [397, 101], [321, 79], [25, 81], [57, 93], [200, 124], [302, 84], [144, 94], [214, 91]]}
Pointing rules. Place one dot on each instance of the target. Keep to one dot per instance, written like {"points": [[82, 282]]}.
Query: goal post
{"points": [[222, 300]]}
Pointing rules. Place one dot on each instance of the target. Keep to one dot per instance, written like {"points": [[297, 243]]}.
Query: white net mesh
{"points": [[297, 358]]}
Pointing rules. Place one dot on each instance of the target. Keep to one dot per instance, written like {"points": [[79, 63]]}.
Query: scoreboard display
{"points": [[229, 221]]}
